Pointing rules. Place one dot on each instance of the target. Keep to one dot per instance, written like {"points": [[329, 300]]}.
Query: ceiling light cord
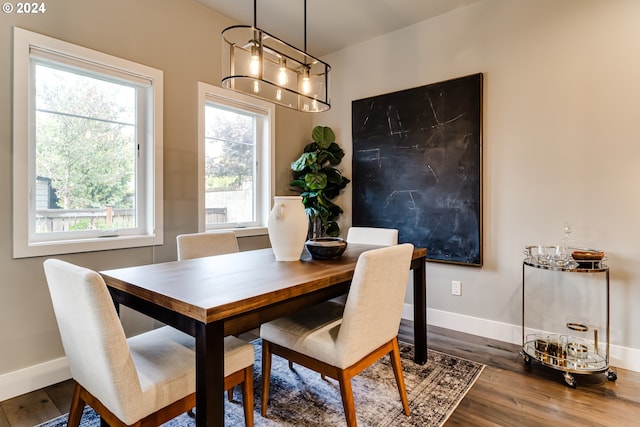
{"points": [[306, 83]]}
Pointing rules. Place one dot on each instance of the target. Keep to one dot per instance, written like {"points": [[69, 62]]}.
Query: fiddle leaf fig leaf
{"points": [[316, 180], [297, 183], [305, 160], [335, 154], [335, 177], [332, 229], [311, 147], [323, 136]]}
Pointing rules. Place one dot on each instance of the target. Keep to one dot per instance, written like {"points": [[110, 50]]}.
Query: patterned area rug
{"points": [[300, 397]]}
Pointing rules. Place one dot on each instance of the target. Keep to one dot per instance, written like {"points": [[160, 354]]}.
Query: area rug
{"points": [[300, 397]]}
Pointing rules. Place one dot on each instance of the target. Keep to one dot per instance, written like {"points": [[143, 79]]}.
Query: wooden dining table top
{"points": [[219, 287]]}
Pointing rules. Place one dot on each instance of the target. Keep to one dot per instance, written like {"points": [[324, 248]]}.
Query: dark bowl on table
{"points": [[326, 247]]}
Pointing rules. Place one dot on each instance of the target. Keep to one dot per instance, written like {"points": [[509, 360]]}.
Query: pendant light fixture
{"points": [[261, 65]]}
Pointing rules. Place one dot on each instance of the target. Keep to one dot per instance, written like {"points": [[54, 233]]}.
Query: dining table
{"points": [[213, 297]]}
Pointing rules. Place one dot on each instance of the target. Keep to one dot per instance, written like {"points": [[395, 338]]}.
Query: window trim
{"points": [[24, 42], [209, 93]]}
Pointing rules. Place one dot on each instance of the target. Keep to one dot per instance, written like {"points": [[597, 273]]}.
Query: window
{"points": [[87, 149], [235, 160]]}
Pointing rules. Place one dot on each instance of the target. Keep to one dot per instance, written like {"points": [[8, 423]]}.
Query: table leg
{"points": [[420, 310], [210, 374]]}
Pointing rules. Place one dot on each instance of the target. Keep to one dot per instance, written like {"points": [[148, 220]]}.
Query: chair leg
{"points": [[77, 406], [266, 376], [397, 372], [247, 396], [347, 399], [230, 394]]}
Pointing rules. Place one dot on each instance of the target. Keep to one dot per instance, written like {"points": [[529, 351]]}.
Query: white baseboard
{"points": [[35, 377], [619, 357]]}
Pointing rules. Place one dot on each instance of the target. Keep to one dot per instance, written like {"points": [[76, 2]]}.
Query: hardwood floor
{"points": [[508, 393]]}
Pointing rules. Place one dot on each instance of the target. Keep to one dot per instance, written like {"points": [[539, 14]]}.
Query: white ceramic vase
{"points": [[288, 226]]}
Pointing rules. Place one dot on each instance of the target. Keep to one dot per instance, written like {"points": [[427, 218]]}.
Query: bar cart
{"points": [[576, 351]]}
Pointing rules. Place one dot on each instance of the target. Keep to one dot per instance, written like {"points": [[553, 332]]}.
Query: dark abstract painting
{"points": [[417, 167]]}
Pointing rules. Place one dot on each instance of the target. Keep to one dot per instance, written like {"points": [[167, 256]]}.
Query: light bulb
{"points": [[254, 65], [278, 94], [256, 86], [305, 87], [283, 79]]}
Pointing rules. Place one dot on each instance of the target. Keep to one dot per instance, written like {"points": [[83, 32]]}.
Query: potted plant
{"points": [[318, 182]]}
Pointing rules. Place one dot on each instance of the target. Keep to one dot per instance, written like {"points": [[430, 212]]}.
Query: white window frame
{"points": [[149, 193], [265, 182]]}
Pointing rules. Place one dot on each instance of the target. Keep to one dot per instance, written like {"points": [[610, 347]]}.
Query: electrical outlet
{"points": [[456, 287]]}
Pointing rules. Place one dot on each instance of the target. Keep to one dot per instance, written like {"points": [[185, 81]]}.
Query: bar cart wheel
{"points": [[611, 375], [569, 379], [525, 357]]}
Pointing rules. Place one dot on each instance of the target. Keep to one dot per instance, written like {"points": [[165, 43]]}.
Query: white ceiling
{"points": [[332, 24]]}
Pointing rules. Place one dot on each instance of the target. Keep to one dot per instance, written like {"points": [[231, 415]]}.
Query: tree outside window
{"points": [[229, 166], [86, 147]]}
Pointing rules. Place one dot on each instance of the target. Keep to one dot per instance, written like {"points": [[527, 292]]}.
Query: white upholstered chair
{"points": [[373, 236], [197, 245], [144, 380], [340, 341], [370, 236]]}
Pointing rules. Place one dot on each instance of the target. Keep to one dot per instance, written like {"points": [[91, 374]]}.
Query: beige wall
{"points": [[180, 37], [561, 143]]}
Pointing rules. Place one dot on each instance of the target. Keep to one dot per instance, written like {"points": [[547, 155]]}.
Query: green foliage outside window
{"points": [[85, 142]]}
